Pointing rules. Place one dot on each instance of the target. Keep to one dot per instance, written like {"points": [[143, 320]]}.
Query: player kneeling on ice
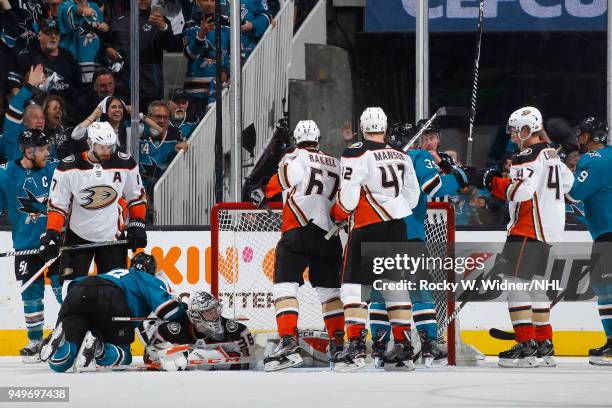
{"points": [[202, 338], [86, 332]]}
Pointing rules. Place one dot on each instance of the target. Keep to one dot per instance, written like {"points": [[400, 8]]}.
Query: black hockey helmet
{"points": [[33, 138], [144, 263], [432, 128], [399, 134], [596, 127]]}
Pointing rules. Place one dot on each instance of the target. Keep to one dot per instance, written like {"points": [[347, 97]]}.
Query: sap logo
{"points": [[534, 8]]}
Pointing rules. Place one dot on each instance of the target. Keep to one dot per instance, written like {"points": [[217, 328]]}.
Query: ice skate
{"points": [[285, 355], [521, 355]]}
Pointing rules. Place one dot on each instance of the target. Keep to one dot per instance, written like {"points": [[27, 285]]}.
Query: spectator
{"points": [[173, 10], [54, 109], [103, 85], [155, 37], [255, 21], [572, 160], [62, 76], [81, 22], [201, 54], [574, 212], [158, 145], [21, 116], [53, 7], [112, 110], [19, 18], [179, 117]]}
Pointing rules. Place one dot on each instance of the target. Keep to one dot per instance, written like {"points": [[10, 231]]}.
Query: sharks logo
{"points": [[31, 203], [97, 197], [54, 82]]}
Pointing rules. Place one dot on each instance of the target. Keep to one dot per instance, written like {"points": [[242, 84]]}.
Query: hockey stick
{"points": [[470, 140], [191, 365], [442, 111], [66, 248], [510, 335], [156, 319], [335, 229], [449, 319], [29, 282]]}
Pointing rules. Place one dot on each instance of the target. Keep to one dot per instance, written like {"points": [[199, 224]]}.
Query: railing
{"points": [[184, 195]]}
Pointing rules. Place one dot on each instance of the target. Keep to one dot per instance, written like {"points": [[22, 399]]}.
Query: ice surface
{"points": [[574, 383]]}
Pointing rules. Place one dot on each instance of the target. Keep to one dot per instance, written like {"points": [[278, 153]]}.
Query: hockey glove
{"points": [[446, 166], [49, 244], [136, 234], [460, 176], [258, 197], [473, 178], [487, 178], [173, 361]]}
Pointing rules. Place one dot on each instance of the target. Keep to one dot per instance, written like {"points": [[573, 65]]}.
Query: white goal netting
{"points": [[243, 247]]}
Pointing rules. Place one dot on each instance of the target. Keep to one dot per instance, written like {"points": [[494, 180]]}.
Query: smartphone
{"points": [[209, 17], [156, 8]]}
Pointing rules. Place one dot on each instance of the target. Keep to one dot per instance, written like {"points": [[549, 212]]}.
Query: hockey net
{"points": [[243, 247]]}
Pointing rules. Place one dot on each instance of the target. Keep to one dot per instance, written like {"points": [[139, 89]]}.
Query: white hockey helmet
{"points": [[102, 133], [527, 116], [306, 131], [373, 120]]}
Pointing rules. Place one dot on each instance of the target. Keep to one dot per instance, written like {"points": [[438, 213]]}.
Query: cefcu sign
{"points": [[499, 15]]}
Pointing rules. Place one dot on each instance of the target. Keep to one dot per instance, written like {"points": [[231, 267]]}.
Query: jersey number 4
{"points": [[553, 180], [316, 182], [389, 177]]}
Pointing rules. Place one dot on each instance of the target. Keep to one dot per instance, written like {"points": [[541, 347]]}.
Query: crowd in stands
{"points": [[66, 64]]}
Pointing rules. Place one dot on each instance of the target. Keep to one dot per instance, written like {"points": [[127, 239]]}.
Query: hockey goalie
{"points": [[203, 339]]}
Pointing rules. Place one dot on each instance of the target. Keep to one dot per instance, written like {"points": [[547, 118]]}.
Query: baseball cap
{"points": [[48, 25], [179, 94]]}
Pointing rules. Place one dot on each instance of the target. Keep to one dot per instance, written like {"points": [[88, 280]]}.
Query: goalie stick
{"points": [[470, 140], [510, 335]]}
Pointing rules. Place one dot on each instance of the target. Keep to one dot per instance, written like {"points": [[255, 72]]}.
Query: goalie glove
{"points": [[173, 359]]}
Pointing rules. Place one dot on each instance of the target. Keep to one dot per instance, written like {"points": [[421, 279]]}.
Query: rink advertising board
{"points": [[499, 15], [184, 260]]}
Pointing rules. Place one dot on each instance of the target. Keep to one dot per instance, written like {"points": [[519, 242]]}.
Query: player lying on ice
{"points": [[86, 334], [202, 338]]}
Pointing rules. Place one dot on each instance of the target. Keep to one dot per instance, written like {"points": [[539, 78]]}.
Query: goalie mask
{"points": [[306, 131], [373, 120], [204, 311], [596, 130], [525, 117]]}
